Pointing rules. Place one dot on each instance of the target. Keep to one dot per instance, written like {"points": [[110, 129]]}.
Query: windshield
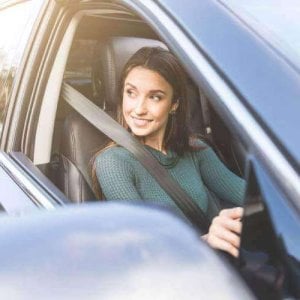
{"points": [[277, 21]]}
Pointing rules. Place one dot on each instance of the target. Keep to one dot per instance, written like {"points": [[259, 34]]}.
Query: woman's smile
{"points": [[140, 122]]}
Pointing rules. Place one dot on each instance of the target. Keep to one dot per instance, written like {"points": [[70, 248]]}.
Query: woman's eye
{"points": [[155, 97], [130, 93]]}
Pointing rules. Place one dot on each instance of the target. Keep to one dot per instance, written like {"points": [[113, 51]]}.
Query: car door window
{"points": [[16, 22]]}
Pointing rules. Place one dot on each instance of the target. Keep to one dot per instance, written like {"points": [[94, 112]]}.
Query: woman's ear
{"points": [[174, 107]]}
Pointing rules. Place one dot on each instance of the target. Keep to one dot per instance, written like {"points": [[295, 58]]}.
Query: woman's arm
{"points": [[219, 179], [116, 177], [225, 229]]}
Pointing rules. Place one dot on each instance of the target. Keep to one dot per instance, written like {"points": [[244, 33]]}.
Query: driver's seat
{"points": [[80, 140]]}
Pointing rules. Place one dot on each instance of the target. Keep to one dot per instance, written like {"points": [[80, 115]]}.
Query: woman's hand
{"points": [[224, 231]]}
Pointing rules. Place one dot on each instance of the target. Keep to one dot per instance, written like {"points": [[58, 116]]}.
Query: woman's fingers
{"points": [[225, 234], [224, 231], [232, 213], [221, 244], [226, 222]]}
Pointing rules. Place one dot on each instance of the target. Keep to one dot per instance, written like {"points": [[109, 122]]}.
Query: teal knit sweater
{"points": [[122, 177]]}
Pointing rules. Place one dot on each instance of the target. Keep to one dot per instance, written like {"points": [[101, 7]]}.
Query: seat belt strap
{"points": [[205, 116], [106, 124]]}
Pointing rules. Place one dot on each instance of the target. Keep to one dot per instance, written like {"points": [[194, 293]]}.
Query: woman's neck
{"points": [[156, 144]]}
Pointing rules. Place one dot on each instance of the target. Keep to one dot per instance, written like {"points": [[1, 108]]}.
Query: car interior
{"points": [[101, 46]]}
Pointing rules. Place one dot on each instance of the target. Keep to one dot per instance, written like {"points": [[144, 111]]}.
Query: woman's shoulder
{"points": [[200, 149], [113, 161], [197, 143], [113, 158], [114, 152]]}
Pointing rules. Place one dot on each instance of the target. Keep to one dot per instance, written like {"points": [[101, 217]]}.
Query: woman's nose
{"points": [[141, 107]]}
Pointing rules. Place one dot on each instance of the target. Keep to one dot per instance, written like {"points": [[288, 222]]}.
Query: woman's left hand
{"points": [[224, 231]]}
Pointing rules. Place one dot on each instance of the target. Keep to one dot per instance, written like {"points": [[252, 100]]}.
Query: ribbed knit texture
{"points": [[122, 177]]}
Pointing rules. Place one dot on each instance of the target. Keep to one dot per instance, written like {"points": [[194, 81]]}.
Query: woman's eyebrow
{"points": [[133, 86], [157, 91], [150, 92]]}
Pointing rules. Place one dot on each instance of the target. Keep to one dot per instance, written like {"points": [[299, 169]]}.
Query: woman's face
{"points": [[147, 102]]}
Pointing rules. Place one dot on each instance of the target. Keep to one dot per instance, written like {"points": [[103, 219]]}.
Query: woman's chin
{"points": [[139, 132]]}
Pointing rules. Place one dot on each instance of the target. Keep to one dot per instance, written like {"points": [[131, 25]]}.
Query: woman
{"points": [[154, 109]]}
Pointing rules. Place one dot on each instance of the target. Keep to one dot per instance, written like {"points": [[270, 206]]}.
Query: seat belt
{"points": [[111, 128], [205, 113]]}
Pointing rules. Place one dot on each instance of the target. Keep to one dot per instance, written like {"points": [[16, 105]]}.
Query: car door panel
{"points": [[13, 199], [24, 187], [38, 176]]}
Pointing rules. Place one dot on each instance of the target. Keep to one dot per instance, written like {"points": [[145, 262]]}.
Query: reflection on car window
{"points": [[16, 23]]}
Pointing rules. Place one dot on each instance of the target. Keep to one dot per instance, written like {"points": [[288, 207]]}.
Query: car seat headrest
{"points": [[113, 55]]}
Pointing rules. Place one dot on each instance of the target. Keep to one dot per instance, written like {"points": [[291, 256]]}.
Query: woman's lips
{"points": [[140, 122]]}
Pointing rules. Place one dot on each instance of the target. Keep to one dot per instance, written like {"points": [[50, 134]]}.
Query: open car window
{"points": [[78, 63]]}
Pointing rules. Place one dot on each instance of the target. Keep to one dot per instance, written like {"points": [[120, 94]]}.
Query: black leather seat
{"points": [[80, 140]]}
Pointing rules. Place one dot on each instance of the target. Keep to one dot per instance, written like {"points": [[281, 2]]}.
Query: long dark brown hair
{"points": [[178, 135]]}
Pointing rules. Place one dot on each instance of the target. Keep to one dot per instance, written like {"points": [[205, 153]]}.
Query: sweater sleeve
{"points": [[219, 179], [116, 176]]}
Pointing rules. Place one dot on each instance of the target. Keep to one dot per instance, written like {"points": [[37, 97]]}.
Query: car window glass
{"points": [[16, 23]]}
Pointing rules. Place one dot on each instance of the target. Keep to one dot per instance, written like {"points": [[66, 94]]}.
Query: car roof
{"points": [[265, 81]]}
